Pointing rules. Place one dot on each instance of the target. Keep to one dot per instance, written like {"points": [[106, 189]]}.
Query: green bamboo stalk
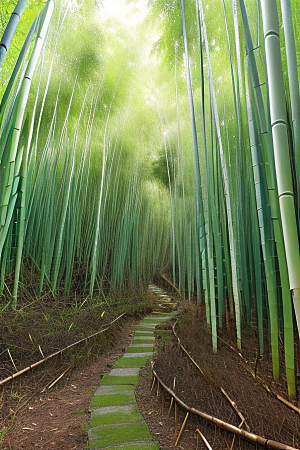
{"points": [[11, 172], [202, 216], [269, 170], [290, 46], [234, 271], [10, 30], [281, 148]]}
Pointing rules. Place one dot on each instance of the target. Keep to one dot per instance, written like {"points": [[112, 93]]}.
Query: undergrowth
{"points": [[42, 325]]}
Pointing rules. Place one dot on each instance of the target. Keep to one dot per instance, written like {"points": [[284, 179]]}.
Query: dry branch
{"points": [[249, 369], [234, 406], [171, 284], [204, 439], [266, 443], [182, 428], [32, 366], [53, 383], [232, 403]]}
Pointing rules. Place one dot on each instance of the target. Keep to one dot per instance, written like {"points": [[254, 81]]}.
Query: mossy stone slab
{"points": [[103, 390], [130, 362], [125, 371], [147, 327], [109, 380], [147, 344], [139, 350], [146, 331], [120, 398], [108, 435], [156, 319], [130, 446], [146, 355], [143, 340], [115, 415]]}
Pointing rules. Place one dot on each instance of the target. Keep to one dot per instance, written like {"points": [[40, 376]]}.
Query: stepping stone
{"points": [[142, 332], [147, 345], [123, 372], [143, 338], [153, 320], [115, 414], [138, 354], [116, 422], [132, 446], [133, 361], [106, 435], [109, 380], [104, 390], [116, 399], [147, 327]]}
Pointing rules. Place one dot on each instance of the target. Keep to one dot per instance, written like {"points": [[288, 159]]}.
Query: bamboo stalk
{"points": [[32, 366], [10, 29], [281, 148]]}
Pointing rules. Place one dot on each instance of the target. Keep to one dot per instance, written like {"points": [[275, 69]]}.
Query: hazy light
{"points": [[129, 13]]}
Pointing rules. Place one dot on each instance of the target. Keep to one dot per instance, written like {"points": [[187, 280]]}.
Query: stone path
{"points": [[116, 422]]}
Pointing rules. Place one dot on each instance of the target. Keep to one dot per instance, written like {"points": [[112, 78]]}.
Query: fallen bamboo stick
{"points": [[53, 383], [267, 443], [184, 350], [204, 439], [32, 366], [182, 428], [171, 284], [152, 386], [233, 440], [172, 399], [234, 406], [246, 366], [11, 358], [232, 403], [171, 404]]}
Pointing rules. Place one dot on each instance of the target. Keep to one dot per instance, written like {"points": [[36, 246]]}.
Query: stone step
{"points": [[116, 422]]}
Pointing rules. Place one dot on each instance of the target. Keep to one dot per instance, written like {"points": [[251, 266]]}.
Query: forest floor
{"points": [[34, 416]]}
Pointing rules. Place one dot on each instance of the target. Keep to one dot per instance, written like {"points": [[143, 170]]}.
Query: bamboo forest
{"points": [[149, 143]]}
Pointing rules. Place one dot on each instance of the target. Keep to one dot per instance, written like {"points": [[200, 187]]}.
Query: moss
{"points": [[130, 362], [139, 349], [119, 434], [116, 417], [109, 380], [141, 340], [113, 399]]}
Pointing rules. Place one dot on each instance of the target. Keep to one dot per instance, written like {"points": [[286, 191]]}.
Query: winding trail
{"points": [[116, 422]]}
